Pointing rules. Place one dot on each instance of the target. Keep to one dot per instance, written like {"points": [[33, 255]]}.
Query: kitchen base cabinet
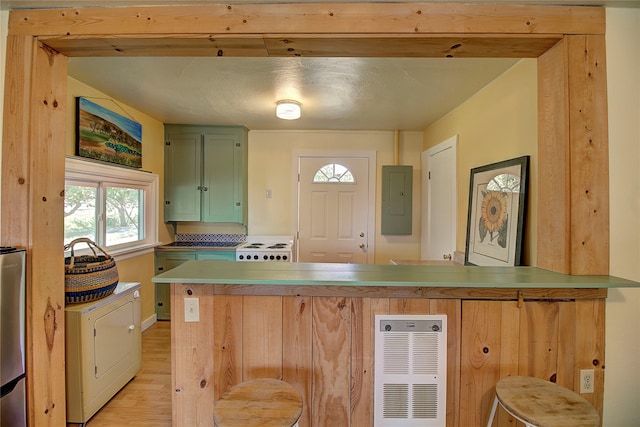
{"points": [[103, 349], [165, 260]]}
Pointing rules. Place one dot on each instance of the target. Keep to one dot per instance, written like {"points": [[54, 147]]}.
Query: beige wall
{"points": [[622, 378], [138, 269], [270, 167], [497, 123]]}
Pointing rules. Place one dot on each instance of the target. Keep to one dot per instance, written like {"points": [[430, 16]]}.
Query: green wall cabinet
{"points": [[397, 188], [165, 260], [205, 173]]}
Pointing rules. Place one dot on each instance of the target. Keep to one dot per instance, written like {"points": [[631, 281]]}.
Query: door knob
{"points": [[447, 257], [361, 234], [362, 245]]}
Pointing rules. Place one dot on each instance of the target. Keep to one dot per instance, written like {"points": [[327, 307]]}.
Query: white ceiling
{"points": [[336, 93]]}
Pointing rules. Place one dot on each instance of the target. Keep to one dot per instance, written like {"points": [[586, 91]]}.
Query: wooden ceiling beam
{"points": [[358, 18], [435, 46], [361, 45]]}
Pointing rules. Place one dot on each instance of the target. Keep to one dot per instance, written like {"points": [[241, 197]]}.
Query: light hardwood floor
{"points": [[146, 400]]}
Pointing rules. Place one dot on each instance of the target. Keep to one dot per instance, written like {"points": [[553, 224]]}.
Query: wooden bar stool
{"points": [[264, 402], [539, 403]]}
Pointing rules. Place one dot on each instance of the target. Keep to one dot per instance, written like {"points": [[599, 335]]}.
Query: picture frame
{"points": [[497, 208], [104, 135]]}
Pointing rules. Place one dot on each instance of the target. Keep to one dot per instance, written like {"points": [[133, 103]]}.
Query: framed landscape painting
{"points": [[497, 207], [107, 136]]}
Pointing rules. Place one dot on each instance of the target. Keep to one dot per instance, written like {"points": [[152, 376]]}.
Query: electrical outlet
{"points": [[586, 381], [191, 310]]}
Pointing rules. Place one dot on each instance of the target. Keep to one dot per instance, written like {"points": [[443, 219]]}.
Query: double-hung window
{"points": [[115, 207]]}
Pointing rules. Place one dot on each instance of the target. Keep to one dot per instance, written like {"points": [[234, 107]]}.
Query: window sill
{"points": [[132, 252], [122, 253]]}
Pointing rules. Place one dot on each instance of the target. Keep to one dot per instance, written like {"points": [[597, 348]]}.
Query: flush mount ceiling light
{"points": [[287, 109]]}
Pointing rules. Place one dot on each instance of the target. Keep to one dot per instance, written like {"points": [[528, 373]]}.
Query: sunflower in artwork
{"points": [[493, 217]]}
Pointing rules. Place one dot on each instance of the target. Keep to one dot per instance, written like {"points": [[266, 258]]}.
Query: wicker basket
{"points": [[88, 277]]}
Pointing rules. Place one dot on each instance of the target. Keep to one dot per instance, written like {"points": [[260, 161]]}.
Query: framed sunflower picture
{"points": [[497, 207]]}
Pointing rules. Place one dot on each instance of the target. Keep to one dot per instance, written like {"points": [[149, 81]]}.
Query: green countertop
{"points": [[307, 274]]}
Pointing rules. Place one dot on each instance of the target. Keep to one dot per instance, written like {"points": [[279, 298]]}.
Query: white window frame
{"points": [[83, 172], [338, 180]]}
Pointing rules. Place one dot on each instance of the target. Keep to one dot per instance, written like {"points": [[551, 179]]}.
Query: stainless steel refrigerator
{"points": [[13, 411]]}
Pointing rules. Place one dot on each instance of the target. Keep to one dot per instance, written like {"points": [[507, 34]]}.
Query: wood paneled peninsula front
{"points": [[312, 325]]}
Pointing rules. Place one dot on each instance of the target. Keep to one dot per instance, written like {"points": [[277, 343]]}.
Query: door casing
{"points": [[428, 157]]}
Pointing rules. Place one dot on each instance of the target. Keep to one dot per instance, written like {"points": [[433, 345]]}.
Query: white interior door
{"points": [[333, 209], [439, 201]]}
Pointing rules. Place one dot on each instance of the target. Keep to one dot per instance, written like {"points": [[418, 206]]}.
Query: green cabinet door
{"points": [[222, 178], [182, 176]]}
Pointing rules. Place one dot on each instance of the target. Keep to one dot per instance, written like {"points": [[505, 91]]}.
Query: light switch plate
{"points": [[191, 309]]}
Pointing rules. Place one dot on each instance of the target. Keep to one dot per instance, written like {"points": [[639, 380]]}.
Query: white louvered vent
{"points": [[410, 370]]}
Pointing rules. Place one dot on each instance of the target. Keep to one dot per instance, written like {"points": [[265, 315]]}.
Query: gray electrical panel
{"points": [[397, 187]]}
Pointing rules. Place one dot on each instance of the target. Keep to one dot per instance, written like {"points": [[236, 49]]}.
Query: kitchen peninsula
{"points": [[312, 325]]}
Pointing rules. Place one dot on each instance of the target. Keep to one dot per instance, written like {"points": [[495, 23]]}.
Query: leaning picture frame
{"points": [[104, 135], [497, 208]]}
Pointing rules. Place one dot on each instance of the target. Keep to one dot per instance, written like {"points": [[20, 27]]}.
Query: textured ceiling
{"points": [[336, 93]]}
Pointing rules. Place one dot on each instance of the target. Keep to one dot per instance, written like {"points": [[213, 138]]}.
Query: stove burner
{"points": [[254, 246], [277, 246]]}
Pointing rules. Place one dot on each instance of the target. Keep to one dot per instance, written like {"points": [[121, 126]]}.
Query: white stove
{"points": [[265, 249]]}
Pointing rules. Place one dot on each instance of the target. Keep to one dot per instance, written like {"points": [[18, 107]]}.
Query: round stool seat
{"points": [[545, 404], [263, 402]]}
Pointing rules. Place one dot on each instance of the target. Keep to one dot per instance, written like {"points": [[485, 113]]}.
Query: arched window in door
{"points": [[333, 173]]}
